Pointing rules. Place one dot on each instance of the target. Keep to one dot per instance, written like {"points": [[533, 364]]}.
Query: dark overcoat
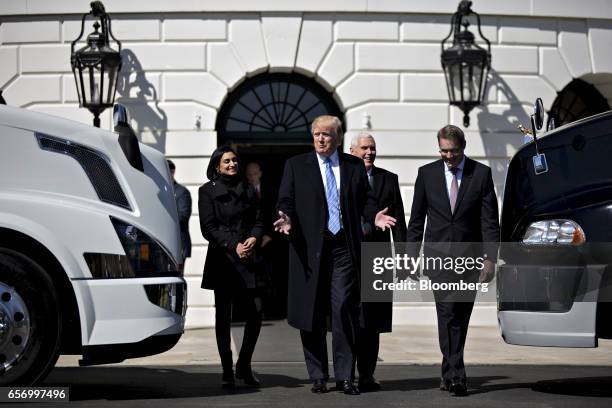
{"points": [[302, 198], [378, 315], [183, 205], [225, 221]]}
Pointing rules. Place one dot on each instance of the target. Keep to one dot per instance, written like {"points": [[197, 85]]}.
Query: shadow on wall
{"points": [[149, 121], [491, 123]]}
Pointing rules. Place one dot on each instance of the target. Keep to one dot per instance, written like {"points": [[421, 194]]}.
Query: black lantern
{"points": [[96, 66], [465, 64]]}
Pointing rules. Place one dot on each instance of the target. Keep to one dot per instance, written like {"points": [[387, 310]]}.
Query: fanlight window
{"points": [[273, 107], [577, 100]]}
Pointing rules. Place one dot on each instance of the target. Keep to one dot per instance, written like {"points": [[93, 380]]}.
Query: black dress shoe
{"points": [[458, 388], [319, 387], [227, 380], [246, 375], [347, 387], [368, 384], [445, 384]]}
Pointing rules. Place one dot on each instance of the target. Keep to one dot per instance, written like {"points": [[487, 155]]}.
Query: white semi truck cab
{"points": [[89, 246]]}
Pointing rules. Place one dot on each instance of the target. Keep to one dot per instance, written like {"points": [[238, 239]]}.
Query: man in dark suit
{"points": [[376, 316], [269, 276], [183, 205], [457, 197], [322, 198]]}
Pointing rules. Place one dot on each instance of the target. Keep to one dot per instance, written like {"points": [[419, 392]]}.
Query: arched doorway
{"points": [[579, 99], [267, 120]]}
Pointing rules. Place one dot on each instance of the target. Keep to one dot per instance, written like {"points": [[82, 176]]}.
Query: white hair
{"points": [[355, 139]]}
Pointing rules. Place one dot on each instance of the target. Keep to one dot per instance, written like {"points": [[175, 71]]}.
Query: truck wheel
{"points": [[30, 324]]}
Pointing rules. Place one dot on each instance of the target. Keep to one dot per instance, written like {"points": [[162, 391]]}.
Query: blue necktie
{"points": [[333, 201]]}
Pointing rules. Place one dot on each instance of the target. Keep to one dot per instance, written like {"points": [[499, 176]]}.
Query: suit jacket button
{"points": [[318, 254]]}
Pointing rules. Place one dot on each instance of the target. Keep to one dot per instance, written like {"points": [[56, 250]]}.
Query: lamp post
{"points": [[96, 66], [465, 64]]}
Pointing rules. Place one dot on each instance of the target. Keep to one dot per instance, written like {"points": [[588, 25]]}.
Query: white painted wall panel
{"points": [[600, 40], [364, 28], [338, 64], [203, 88], [574, 47], [136, 29], [514, 59], [281, 34], [8, 67], [527, 31], [45, 58], [246, 38], [398, 57], [553, 68], [169, 57], [28, 89], [200, 29], [190, 143], [195, 264], [223, 64], [30, 31], [315, 41], [394, 116], [183, 115], [434, 28], [526, 89], [424, 87], [361, 88]]}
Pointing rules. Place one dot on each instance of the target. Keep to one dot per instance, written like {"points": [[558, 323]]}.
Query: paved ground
{"points": [[405, 345], [286, 385], [499, 375]]}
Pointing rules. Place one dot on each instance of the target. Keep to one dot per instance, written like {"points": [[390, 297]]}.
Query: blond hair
{"points": [[328, 120]]}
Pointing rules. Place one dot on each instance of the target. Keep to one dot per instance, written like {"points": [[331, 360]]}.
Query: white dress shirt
{"points": [[335, 164]]}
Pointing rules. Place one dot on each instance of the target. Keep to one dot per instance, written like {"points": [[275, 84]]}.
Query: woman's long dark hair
{"points": [[215, 159]]}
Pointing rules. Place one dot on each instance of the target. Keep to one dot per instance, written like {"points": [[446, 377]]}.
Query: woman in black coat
{"points": [[231, 222]]}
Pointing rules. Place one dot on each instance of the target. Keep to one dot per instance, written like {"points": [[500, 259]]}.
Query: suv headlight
{"points": [[554, 232]]}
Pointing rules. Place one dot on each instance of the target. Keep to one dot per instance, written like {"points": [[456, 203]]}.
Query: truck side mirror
{"points": [[120, 115], [127, 138]]}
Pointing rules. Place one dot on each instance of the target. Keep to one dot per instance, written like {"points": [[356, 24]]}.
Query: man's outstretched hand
{"points": [[283, 224], [384, 221]]}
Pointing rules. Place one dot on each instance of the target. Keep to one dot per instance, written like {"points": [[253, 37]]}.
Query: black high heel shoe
{"points": [[245, 374], [228, 381]]}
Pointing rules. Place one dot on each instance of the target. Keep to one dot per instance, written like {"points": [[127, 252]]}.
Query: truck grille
{"points": [[95, 164]]}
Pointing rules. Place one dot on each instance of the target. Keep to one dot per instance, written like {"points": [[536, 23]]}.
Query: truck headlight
{"points": [[146, 256], [554, 232]]}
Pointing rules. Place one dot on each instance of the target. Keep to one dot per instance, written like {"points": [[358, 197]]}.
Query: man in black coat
{"points": [[322, 198], [183, 205], [457, 196], [376, 316]]}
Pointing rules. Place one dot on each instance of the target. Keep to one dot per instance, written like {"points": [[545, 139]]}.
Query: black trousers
{"points": [[337, 295], [368, 344], [453, 322], [223, 319]]}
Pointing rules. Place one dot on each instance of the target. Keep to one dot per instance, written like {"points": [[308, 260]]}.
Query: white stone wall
{"points": [[179, 68]]}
